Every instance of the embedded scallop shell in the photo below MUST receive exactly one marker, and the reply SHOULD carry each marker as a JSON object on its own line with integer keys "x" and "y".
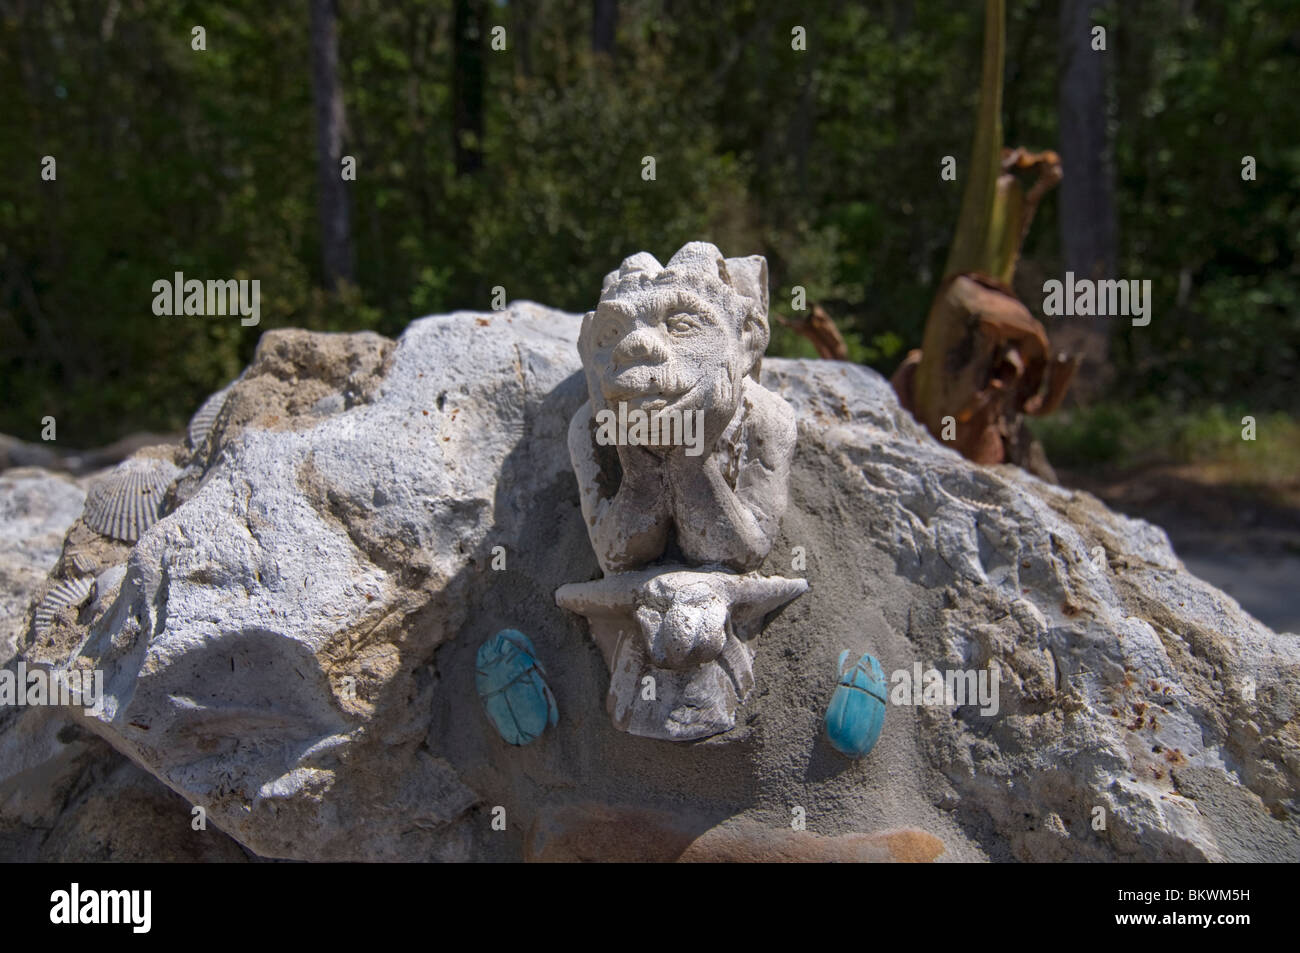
{"x": 70, "y": 592}
{"x": 82, "y": 560}
{"x": 129, "y": 500}
{"x": 204, "y": 418}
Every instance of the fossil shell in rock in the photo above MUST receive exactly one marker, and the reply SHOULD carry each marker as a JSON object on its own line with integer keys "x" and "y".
{"x": 203, "y": 419}
{"x": 129, "y": 500}
{"x": 81, "y": 559}
{"x": 70, "y": 592}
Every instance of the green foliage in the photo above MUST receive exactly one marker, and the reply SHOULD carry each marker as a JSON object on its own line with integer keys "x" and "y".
{"x": 1086, "y": 437}
{"x": 827, "y": 161}
{"x": 1221, "y": 252}
{"x": 1147, "y": 432}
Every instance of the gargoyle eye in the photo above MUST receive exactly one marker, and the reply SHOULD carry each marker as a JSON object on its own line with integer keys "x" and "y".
{"x": 682, "y": 323}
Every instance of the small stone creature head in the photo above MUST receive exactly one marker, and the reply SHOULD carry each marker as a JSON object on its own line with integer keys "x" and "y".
{"x": 683, "y": 626}
{"x": 677, "y": 337}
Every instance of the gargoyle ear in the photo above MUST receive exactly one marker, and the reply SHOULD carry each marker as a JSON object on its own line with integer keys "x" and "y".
{"x": 641, "y": 261}
{"x": 586, "y": 349}
{"x": 748, "y": 276}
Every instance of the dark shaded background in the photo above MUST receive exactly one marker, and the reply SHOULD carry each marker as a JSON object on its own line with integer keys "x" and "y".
{"x": 522, "y": 168}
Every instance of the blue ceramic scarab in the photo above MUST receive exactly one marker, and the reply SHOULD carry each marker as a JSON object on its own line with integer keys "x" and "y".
{"x": 512, "y": 685}
{"x": 857, "y": 709}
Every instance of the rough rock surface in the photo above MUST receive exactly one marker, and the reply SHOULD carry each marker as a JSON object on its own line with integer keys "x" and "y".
{"x": 36, "y": 509}
{"x": 64, "y": 793}
{"x": 293, "y": 646}
{"x": 599, "y": 832}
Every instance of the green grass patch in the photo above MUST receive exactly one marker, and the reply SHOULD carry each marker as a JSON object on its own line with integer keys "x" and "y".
{"x": 1144, "y": 433}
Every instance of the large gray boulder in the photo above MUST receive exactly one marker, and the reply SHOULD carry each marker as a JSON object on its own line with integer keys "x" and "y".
{"x": 292, "y": 647}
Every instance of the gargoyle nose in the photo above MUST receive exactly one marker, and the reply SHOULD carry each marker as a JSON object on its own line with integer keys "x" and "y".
{"x": 641, "y": 346}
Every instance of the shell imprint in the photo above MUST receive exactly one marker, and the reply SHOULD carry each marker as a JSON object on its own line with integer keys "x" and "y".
{"x": 70, "y": 592}
{"x": 203, "y": 419}
{"x": 129, "y": 500}
{"x": 82, "y": 560}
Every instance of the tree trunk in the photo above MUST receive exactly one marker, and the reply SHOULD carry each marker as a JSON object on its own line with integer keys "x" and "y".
{"x": 1088, "y": 224}
{"x": 336, "y": 228}
{"x": 525, "y": 13}
{"x": 468, "y": 72}
{"x": 604, "y": 23}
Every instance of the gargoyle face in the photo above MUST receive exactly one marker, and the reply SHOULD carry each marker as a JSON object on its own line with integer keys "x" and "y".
{"x": 663, "y": 349}
{"x": 680, "y": 337}
{"x": 690, "y": 630}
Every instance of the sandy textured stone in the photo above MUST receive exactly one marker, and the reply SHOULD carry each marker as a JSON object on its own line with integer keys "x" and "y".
{"x": 75, "y": 799}
{"x": 750, "y": 843}
{"x": 36, "y": 509}
{"x": 293, "y": 646}
{"x": 65, "y": 794}
{"x": 614, "y": 834}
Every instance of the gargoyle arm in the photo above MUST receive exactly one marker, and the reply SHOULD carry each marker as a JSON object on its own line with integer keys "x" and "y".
{"x": 631, "y": 527}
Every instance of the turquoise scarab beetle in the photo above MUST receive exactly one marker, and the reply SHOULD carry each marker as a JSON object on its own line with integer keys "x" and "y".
{"x": 512, "y": 685}
{"x": 856, "y": 713}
